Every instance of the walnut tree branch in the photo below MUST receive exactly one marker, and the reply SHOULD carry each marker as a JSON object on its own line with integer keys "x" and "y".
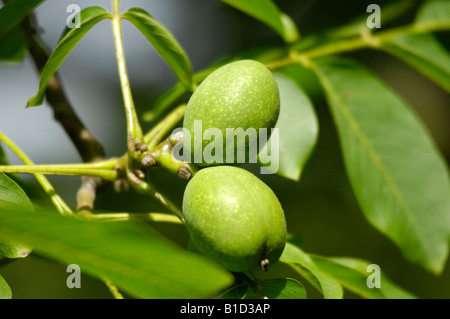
{"x": 88, "y": 147}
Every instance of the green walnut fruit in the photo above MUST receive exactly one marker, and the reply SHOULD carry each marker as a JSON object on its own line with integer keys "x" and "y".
{"x": 242, "y": 97}
{"x": 234, "y": 218}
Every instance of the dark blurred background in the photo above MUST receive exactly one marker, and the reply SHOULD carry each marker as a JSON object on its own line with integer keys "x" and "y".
{"x": 321, "y": 208}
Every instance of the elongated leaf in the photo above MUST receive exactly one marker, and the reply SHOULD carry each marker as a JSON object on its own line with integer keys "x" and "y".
{"x": 71, "y": 36}
{"x": 387, "y": 287}
{"x": 267, "y": 12}
{"x": 13, "y": 47}
{"x": 281, "y": 288}
{"x": 136, "y": 258}
{"x": 396, "y": 171}
{"x": 425, "y": 53}
{"x": 5, "y": 290}
{"x": 305, "y": 266}
{"x": 298, "y": 129}
{"x": 12, "y": 197}
{"x": 433, "y": 13}
{"x": 351, "y": 279}
{"x": 12, "y": 13}
{"x": 164, "y": 42}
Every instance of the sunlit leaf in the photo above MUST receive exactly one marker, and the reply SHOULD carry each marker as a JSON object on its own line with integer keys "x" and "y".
{"x": 133, "y": 256}
{"x": 5, "y": 290}
{"x": 12, "y": 197}
{"x": 396, "y": 171}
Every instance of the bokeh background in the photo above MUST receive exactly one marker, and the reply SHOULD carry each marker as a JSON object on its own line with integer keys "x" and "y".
{"x": 320, "y": 208}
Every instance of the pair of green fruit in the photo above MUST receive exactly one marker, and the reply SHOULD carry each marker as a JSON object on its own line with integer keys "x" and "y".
{"x": 231, "y": 215}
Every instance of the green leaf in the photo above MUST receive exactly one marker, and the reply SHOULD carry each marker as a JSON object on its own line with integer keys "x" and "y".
{"x": 164, "y": 42}
{"x": 133, "y": 256}
{"x": 305, "y": 266}
{"x": 396, "y": 171}
{"x": 13, "y": 47}
{"x": 12, "y": 13}
{"x": 425, "y": 53}
{"x": 387, "y": 287}
{"x": 267, "y": 12}
{"x": 5, "y": 290}
{"x": 296, "y": 115}
{"x": 12, "y": 197}
{"x": 290, "y": 31}
{"x": 235, "y": 292}
{"x": 432, "y": 14}
{"x": 351, "y": 279}
{"x": 71, "y": 36}
{"x": 280, "y": 288}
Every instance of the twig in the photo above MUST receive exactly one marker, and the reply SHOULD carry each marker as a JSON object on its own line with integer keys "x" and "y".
{"x": 59, "y": 203}
{"x": 87, "y": 146}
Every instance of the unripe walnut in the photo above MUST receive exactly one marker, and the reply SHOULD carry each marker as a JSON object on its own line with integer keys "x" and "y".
{"x": 242, "y": 96}
{"x": 234, "y": 218}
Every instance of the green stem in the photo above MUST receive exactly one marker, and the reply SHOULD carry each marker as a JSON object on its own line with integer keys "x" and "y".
{"x": 152, "y": 217}
{"x": 133, "y": 127}
{"x": 366, "y": 40}
{"x": 164, "y": 158}
{"x": 98, "y": 169}
{"x": 57, "y": 201}
{"x": 148, "y": 189}
{"x": 159, "y": 131}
